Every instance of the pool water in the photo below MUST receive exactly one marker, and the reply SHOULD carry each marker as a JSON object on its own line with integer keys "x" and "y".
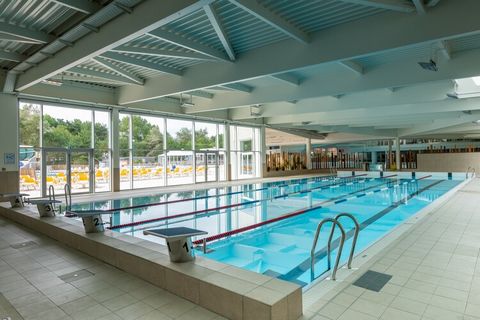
{"x": 280, "y": 249}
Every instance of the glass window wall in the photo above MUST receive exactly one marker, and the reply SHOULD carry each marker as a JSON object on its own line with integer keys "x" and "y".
{"x": 154, "y": 151}
{"x": 62, "y": 144}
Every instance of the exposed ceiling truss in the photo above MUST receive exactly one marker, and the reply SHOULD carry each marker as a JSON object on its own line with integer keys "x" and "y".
{"x": 359, "y": 77}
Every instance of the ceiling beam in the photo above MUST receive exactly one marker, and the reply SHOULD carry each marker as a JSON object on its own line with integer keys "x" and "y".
{"x": 84, "y": 6}
{"x": 238, "y": 87}
{"x": 14, "y": 38}
{"x": 353, "y": 66}
{"x": 188, "y": 44}
{"x": 439, "y": 124}
{"x": 420, "y": 6}
{"x": 12, "y": 56}
{"x": 147, "y": 16}
{"x": 124, "y": 73}
{"x": 140, "y": 63}
{"x": 386, "y": 114}
{"x": 62, "y": 77}
{"x": 28, "y": 34}
{"x": 101, "y": 75}
{"x": 330, "y": 81}
{"x": 395, "y": 5}
{"x": 160, "y": 53}
{"x": 202, "y": 94}
{"x": 339, "y": 43}
{"x": 217, "y": 26}
{"x": 267, "y": 16}
{"x": 73, "y": 92}
{"x": 435, "y": 91}
{"x": 379, "y": 133}
{"x": 287, "y": 78}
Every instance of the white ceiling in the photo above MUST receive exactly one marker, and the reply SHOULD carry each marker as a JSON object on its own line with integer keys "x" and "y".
{"x": 340, "y": 68}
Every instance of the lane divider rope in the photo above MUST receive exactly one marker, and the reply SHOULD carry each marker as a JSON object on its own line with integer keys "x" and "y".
{"x": 289, "y": 215}
{"x": 136, "y": 223}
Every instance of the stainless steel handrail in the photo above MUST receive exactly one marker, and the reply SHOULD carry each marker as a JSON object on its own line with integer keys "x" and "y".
{"x": 466, "y": 174}
{"x": 51, "y": 196}
{"x": 340, "y": 247}
{"x": 68, "y": 196}
{"x": 354, "y": 241}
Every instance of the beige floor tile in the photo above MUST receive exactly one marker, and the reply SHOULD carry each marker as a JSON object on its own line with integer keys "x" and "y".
{"x": 332, "y": 310}
{"x": 395, "y": 314}
{"x": 355, "y": 315}
{"x": 119, "y": 302}
{"x": 155, "y": 315}
{"x": 368, "y": 307}
{"x": 134, "y": 310}
{"x": 408, "y": 305}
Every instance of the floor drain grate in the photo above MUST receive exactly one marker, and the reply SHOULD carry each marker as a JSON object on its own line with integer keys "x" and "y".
{"x": 373, "y": 280}
{"x": 26, "y": 244}
{"x": 76, "y": 275}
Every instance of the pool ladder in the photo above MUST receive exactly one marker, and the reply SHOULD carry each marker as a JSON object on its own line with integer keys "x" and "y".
{"x": 335, "y": 223}
{"x": 468, "y": 171}
{"x": 68, "y": 197}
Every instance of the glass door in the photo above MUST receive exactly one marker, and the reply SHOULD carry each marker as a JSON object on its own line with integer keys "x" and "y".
{"x": 55, "y": 168}
{"x": 200, "y": 167}
{"x": 212, "y": 166}
{"x": 62, "y": 166}
{"x": 246, "y": 165}
{"x": 81, "y": 170}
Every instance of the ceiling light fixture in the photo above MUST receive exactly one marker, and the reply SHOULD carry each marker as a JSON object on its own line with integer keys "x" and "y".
{"x": 186, "y": 104}
{"x": 255, "y": 110}
{"x": 52, "y": 82}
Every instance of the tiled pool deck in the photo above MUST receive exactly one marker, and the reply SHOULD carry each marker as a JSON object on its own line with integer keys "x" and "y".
{"x": 433, "y": 264}
{"x": 37, "y": 281}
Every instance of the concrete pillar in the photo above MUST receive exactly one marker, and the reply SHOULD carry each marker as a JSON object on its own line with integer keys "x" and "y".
{"x": 9, "y": 172}
{"x": 309, "y": 153}
{"x": 397, "y": 154}
{"x": 115, "y": 177}
{"x": 228, "y": 165}
{"x": 374, "y": 157}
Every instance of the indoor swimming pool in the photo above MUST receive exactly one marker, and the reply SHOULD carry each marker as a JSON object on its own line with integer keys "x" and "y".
{"x": 269, "y": 228}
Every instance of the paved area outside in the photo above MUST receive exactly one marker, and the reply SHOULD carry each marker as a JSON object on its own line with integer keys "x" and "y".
{"x": 435, "y": 268}
{"x": 42, "y": 279}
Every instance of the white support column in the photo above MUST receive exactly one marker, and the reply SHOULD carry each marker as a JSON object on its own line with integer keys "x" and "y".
{"x": 228, "y": 165}
{"x": 309, "y": 153}
{"x": 374, "y": 157}
{"x": 9, "y": 144}
{"x": 388, "y": 160}
{"x": 115, "y": 177}
{"x": 263, "y": 152}
{"x": 397, "y": 154}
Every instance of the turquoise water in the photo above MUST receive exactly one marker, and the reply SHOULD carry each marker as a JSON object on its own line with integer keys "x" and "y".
{"x": 280, "y": 249}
